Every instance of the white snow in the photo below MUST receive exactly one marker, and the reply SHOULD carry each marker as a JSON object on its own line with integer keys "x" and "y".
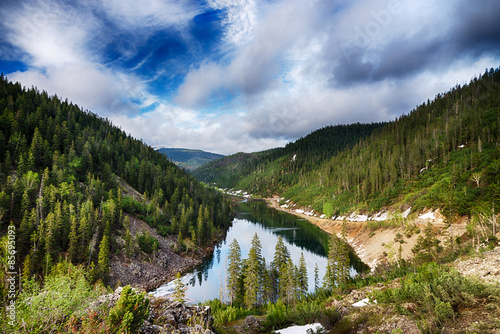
{"x": 300, "y": 329}
{"x": 428, "y": 215}
{"x": 357, "y": 218}
{"x": 363, "y": 302}
{"x": 299, "y": 211}
{"x": 407, "y": 212}
{"x": 380, "y": 216}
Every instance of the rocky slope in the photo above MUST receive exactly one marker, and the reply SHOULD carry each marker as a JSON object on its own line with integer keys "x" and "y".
{"x": 372, "y": 239}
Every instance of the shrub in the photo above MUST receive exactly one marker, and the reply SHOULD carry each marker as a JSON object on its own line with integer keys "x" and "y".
{"x": 147, "y": 243}
{"x": 46, "y": 308}
{"x": 129, "y": 312}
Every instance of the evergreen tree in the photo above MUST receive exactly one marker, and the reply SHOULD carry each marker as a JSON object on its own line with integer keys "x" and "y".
{"x": 234, "y": 271}
{"x": 253, "y": 274}
{"x": 103, "y": 260}
{"x": 302, "y": 275}
{"x": 73, "y": 240}
{"x": 281, "y": 256}
{"x": 179, "y": 289}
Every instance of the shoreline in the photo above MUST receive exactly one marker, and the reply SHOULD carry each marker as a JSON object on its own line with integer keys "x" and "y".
{"x": 371, "y": 244}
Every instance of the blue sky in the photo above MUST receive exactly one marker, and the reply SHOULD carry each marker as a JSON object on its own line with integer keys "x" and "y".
{"x": 245, "y": 75}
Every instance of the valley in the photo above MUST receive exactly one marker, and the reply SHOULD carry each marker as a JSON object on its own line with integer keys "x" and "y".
{"x": 96, "y": 210}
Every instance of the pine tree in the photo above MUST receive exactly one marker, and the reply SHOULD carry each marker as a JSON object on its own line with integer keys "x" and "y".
{"x": 253, "y": 274}
{"x": 337, "y": 270}
{"x": 288, "y": 282}
{"x": 234, "y": 271}
{"x": 179, "y": 289}
{"x": 73, "y": 240}
{"x": 103, "y": 260}
{"x": 281, "y": 255}
{"x": 302, "y": 275}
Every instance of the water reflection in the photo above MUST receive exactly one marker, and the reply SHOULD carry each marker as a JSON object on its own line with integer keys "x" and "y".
{"x": 204, "y": 282}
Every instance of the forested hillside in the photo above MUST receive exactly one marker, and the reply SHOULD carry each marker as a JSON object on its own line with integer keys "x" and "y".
{"x": 443, "y": 154}
{"x": 275, "y": 170}
{"x": 63, "y": 175}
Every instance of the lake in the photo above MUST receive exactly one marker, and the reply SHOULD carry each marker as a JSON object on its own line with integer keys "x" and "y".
{"x": 204, "y": 281}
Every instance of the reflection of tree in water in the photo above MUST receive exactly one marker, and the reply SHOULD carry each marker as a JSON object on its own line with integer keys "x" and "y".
{"x": 294, "y": 230}
{"x": 200, "y": 272}
{"x": 218, "y": 252}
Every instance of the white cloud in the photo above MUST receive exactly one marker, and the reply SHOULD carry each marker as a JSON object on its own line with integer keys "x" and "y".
{"x": 240, "y": 20}
{"x": 132, "y": 14}
{"x": 288, "y": 66}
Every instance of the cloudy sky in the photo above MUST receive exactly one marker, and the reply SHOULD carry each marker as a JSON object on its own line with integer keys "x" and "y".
{"x": 245, "y": 75}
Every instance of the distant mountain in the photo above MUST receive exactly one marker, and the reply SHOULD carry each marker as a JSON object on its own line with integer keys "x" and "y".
{"x": 189, "y": 159}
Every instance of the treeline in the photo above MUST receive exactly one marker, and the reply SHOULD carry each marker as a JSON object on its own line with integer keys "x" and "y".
{"x": 252, "y": 283}
{"x": 443, "y": 154}
{"x": 275, "y": 170}
{"x": 63, "y": 176}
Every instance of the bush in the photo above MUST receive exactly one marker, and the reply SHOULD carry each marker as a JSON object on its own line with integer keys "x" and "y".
{"x": 46, "y": 308}
{"x": 224, "y": 314}
{"x": 276, "y": 315}
{"x": 437, "y": 290}
{"x": 147, "y": 243}
{"x": 129, "y": 312}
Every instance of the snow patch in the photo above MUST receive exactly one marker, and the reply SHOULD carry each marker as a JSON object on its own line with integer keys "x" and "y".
{"x": 428, "y": 215}
{"x": 380, "y": 216}
{"x": 300, "y": 329}
{"x": 364, "y": 302}
{"x": 358, "y": 218}
{"x": 407, "y": 212}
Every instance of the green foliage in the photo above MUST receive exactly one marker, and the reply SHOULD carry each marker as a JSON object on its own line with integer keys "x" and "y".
{"x": 279, "y": 315}
{"x": 276, "y": 315}
{"x": 129, "y": 312}
{"x": 45, "y": 308}
{"x": 179, "y": 291}
{"x": 437, "y": 290}
{"x": 224, "y": 314}
{"x": 328, "y": 209}
{"x": 147, "y": 243}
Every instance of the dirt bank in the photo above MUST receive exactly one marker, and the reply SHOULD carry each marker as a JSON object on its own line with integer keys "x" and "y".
{"x": 371, "y": 244}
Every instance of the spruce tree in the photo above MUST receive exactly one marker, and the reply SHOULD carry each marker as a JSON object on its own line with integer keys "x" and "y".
{"x": 281, "y": 255}
{"x": 234, "y": 271}
{"x": 179, "y": 289}
{"x": 103, "y": 260}
{"x": 253, "y": 274}
{"x": 302, "y": 275}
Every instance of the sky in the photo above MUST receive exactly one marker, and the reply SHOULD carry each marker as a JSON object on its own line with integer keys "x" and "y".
{"x": 227, "y": 76}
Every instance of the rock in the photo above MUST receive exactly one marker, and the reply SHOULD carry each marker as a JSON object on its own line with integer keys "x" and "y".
{"x": 176, "y": 317}
{"x": 252, "y": 323}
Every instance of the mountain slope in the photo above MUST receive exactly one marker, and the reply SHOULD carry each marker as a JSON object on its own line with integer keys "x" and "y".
{"x": 65, "y": 176}
{"x": 443, "y": 154}
{"x": 275, "y": 170}
{"x": 189, "y": 159}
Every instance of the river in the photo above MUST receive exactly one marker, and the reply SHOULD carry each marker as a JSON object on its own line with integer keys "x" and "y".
{"x": 204, "y": 281}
